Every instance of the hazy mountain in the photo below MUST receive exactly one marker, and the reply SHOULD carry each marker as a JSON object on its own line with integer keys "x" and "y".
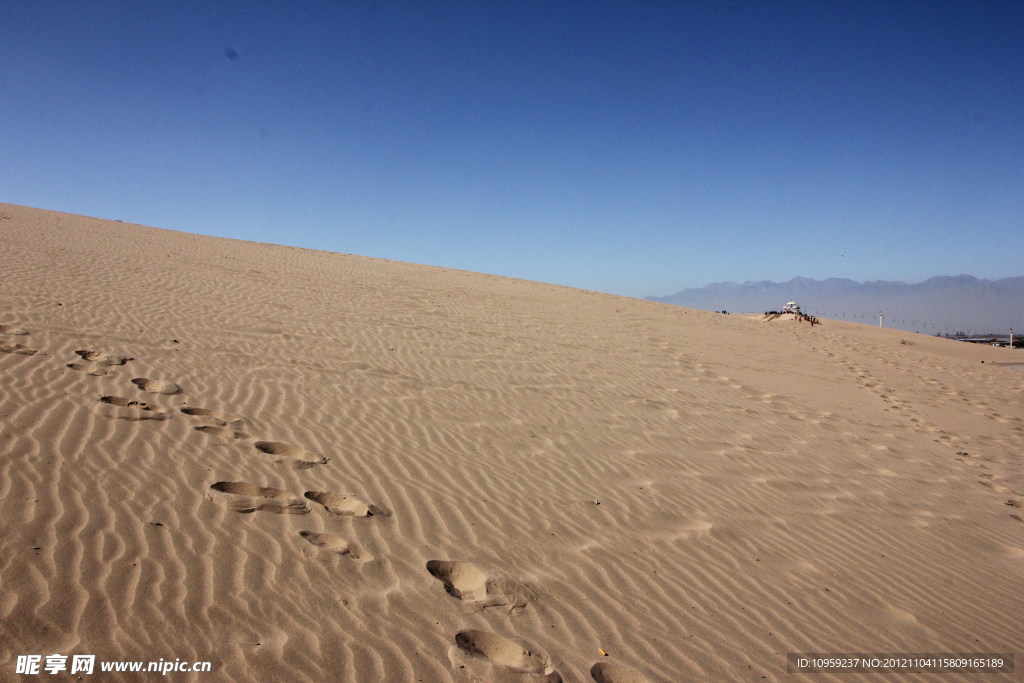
{"x": 939, "y": 304}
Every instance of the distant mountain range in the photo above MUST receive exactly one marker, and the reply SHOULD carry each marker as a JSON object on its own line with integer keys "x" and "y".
{"x": 938, "y": 305}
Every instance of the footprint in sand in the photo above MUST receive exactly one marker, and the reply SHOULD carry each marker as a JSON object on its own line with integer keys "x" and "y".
{"x": 348, "y": 506}
{"x": 20, "y": 349}
{"x": 101, "y": 358}
{"x": 286, "y": 453}
{"x": 217, "y": 423}
{"x": 473, "y": 646}
{"x": 336, "y": 544}
{"x": 121, "y": 408}
{"x": 94, "y": 362}
{"x": 998, "y": 488}
{"x": 462, "y": 580}
{"x": 13, "y": 330}
{"x": 226, "y": 431}
{"x": 604, "y": 672}
{"x": 244, "y": 497}
{"x": 216, "y": 417}
{"x": 157, "y": 386}
{"x": 466, "y": 581}
{"x": 88, "y": 368}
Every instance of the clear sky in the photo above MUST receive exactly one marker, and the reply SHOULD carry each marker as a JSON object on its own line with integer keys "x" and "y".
{"x": 633, "y": 147}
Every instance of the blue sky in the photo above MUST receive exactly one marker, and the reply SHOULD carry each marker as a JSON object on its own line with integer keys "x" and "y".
{"x": 629, "y": 147}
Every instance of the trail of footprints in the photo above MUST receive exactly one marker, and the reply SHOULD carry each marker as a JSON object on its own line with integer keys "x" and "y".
{"x": 9, "y": 334}
{"x": 905, "y": 408}
{"x": 463, "y": 581}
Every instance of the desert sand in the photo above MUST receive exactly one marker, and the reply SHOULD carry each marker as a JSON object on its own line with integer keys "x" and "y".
{"x": 302, "y": 465}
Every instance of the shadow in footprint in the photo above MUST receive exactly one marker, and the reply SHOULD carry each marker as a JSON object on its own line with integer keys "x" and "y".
{"x": 336, "y": 544}
{"x": 121, "y": 408}
{"x": 504, "y": 653}
{"x": 13, "y": 330}
{"x": 157, "y": 386}
{"x": 348, "y": 506}
{"x": 244, "y": 497}
{"x": 466, "y": 581}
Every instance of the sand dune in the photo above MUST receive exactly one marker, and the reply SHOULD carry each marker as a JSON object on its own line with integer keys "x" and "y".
{"x": 302, "y": 465}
